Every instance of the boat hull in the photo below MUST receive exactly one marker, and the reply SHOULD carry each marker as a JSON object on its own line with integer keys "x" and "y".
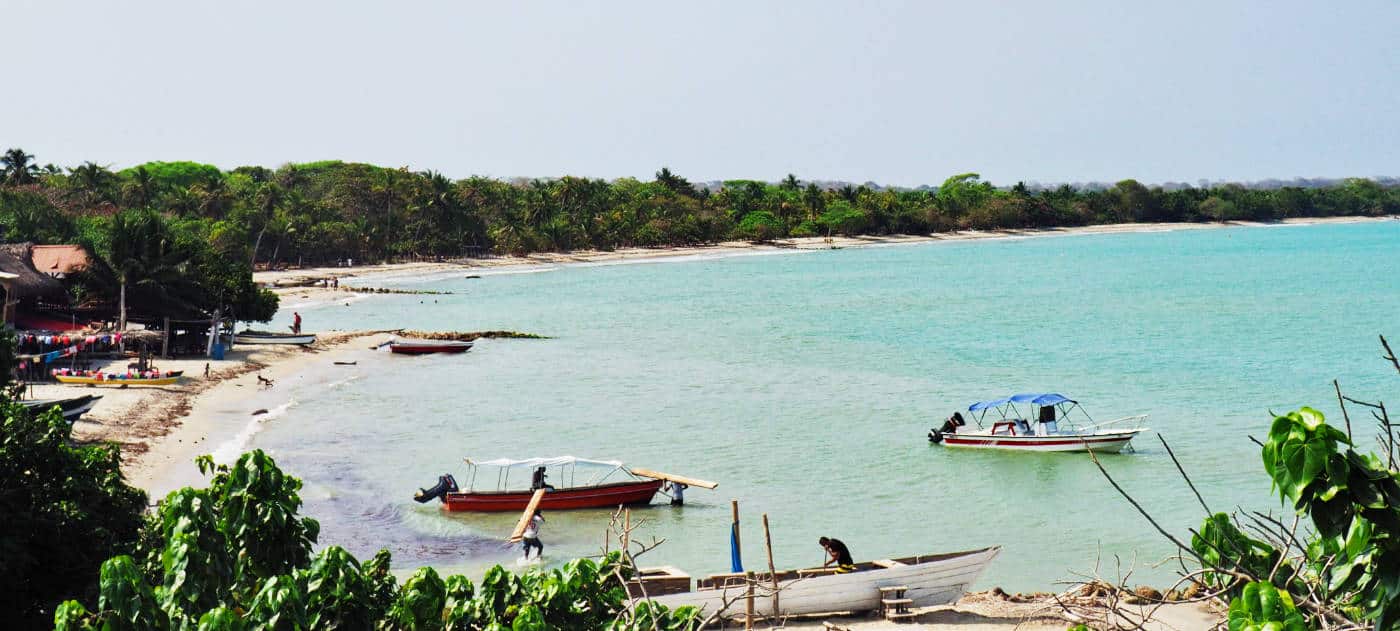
{"x": 424, "y": 349}
{"x": 72, "y": 409}
{"x": 92, "y": 381}
{"x": 936, "y": 580}
{"x": 602, "y": 496}
{"x": 1102, "y": 442}
{"x": 275, "y": 338}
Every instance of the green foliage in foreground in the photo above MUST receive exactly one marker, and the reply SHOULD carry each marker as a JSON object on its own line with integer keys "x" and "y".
{"x": 63, "y": 508}
{"x": 1351, "y": 558}
{"x": 236, "y": 555}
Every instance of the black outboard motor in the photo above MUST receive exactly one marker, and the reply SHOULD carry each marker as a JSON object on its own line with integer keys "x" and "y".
{"x": 950, "y": 426}
{"x": 446, "y": 484}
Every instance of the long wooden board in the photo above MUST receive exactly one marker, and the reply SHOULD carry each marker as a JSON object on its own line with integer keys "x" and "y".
{"x": 657, "y": 475}
{"x": 519, "y": 532}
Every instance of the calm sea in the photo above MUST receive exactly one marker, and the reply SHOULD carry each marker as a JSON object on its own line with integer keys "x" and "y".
{"x": 804, "y": 384}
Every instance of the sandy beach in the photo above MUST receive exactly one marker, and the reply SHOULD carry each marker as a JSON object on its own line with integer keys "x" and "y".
{"x": 162, "y": 430}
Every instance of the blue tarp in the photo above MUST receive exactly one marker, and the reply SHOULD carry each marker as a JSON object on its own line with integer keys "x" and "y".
{"x": 1048, "y": 398}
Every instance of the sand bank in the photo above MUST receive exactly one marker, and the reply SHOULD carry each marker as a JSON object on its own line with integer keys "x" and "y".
{"x": 162, "y": 429}
{"x": 984, "y": 611}
{"x": 301, "y": 286}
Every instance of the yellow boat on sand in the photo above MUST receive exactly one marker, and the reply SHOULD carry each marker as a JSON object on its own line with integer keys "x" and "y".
{"x": 118, "y": 381}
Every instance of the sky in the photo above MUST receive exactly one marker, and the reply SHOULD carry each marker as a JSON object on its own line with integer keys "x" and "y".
{"x": 900, "y": 93}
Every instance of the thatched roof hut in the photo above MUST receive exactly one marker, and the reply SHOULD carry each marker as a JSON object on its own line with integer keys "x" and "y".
{"x": 29, "y": 283}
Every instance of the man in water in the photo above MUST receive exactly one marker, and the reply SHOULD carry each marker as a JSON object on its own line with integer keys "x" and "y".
{"x": 532, "y": 535}
{"x": 839, "y": 555}
{"x": 677, "y": 492}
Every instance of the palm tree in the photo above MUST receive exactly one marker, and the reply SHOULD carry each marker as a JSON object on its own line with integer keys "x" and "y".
{"x": 92, "y": 181}
{"x": 269, "y": 199}
{"x": 790, "y": 183}
{"x": 142, "y": 188}
{"x": 17, "y": 167}
{"x": 143, "y": 258}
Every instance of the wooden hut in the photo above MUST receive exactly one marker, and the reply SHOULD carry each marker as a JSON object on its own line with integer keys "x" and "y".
{"x": 26, "y": 288}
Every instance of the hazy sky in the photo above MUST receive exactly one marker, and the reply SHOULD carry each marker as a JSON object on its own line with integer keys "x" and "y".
{"x": 899, "y": 93}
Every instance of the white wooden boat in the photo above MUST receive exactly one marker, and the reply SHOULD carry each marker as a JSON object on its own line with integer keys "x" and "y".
{"x": 937, "y": 579}
{"x": 72, "y": 408}
{"x": 268, "y": 337}
{"x": 1047, "y": 426}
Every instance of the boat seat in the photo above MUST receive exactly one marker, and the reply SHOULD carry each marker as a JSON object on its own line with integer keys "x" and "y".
{"x": 816, "y": 571}
{"x": 886, "y": 563}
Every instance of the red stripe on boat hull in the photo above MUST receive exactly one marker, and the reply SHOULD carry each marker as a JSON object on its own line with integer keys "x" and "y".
{"x": 604, "y": 496}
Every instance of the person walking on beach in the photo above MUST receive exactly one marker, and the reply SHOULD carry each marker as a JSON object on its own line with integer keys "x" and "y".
{"x": 839, "y": 554}
{"x": 296, "y": 322}
{"x": 532, "y": 535}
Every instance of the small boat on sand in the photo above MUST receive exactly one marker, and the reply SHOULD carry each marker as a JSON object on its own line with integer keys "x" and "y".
{"x": 601, "y": 484}
{"x": 99, "y": 378}
{"x": 72, "y": 408}
{"x": 907, "y": 582}
{"x": 1046, "y": 427}
{"x": 269, "y": 337}
{"x": 424, "y": 347}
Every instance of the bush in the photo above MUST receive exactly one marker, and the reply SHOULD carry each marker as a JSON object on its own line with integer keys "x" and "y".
{"x": 759, "y": 226}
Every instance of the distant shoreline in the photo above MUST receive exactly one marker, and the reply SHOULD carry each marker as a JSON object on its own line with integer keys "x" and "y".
{"x": 301, "y": 283}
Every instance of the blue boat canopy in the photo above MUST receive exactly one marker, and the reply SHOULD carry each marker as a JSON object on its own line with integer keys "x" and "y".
{"x": 1048, "y": 398}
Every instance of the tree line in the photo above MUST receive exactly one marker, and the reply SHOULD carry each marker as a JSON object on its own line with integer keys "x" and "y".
{"x": 328, "y": 211}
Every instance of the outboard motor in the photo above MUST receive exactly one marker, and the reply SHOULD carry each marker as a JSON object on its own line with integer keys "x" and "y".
{"x": 950, "y": 426}
{"x": 446, "y": 484}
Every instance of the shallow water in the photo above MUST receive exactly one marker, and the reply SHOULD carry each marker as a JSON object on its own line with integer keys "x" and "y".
{"x": 804, "y": 383}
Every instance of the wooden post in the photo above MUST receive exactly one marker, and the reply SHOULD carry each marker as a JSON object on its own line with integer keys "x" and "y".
{"x": 626, "y": 535}
{"x": 165, "y": 342}
{"x": 772, "y": 573}
{"x": 748, "y": 601}
{"x": 213, "y": 332}
{"x": 734, "y": 507}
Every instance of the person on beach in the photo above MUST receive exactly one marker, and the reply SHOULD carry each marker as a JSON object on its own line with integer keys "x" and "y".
{"x": 335, "y": 282}
{"x": 532, "y": 535}
{"x": 296, "y": 322}
{"x": 838, "y": 554}
{"x": 677, "y": 492}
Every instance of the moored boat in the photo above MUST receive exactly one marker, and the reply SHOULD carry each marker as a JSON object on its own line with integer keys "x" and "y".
{"x": 99, "y": 378}
{"x": 72, "y": 408}
{"x": 926, "y": 581}
{"x": 424, "y": 347}
{"x": 601, "y": 484}
{"x": 269, "y": 337}
{"x": 1047, "y": 428}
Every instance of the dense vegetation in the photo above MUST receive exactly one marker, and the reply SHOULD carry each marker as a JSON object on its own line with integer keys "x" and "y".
{"x": 327, "y": 211}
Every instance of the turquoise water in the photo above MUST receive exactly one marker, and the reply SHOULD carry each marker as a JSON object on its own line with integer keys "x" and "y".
{"x": 804, "y": 384}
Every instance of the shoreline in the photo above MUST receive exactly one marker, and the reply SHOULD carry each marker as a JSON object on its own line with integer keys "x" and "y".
{"x": 162, "y": 430}
{"x": 302, "y": 282}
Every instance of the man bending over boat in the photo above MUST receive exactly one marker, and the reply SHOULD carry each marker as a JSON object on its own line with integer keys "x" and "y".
{"x": 532, "y": 535}
{"x": 839, "y": 555}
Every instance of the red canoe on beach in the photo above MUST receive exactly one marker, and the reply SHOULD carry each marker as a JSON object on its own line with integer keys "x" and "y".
{"x": 423, "y": 347}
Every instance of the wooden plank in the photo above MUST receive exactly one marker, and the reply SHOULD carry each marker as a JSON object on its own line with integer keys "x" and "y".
{"x": 519, "y": 532}
{"x": 657, "y": 475}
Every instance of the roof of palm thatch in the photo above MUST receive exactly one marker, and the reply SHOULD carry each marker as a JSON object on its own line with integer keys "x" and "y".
{"x": 28, "y": 282}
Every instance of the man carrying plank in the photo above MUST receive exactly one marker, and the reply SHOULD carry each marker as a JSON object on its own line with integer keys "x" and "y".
{"x": 532, "y": 536}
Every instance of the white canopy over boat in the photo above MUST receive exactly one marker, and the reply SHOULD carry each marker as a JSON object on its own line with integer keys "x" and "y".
{"x": 566, "y": 470}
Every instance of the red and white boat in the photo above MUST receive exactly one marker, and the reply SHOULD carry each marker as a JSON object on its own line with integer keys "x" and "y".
{"x": 424, "y": 347}
{"x": 1049, "y": 427}
{"x": 597, "y": 484}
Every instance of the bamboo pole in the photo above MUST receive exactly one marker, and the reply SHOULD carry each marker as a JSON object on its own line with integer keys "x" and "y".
{"x": 165, "y": 341}
{"x": 772, "y": 572}
{"x": 627, "y": 536}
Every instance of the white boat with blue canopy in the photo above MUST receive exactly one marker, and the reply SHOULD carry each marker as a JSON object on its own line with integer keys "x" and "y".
{"x": 1042, "y": 421}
